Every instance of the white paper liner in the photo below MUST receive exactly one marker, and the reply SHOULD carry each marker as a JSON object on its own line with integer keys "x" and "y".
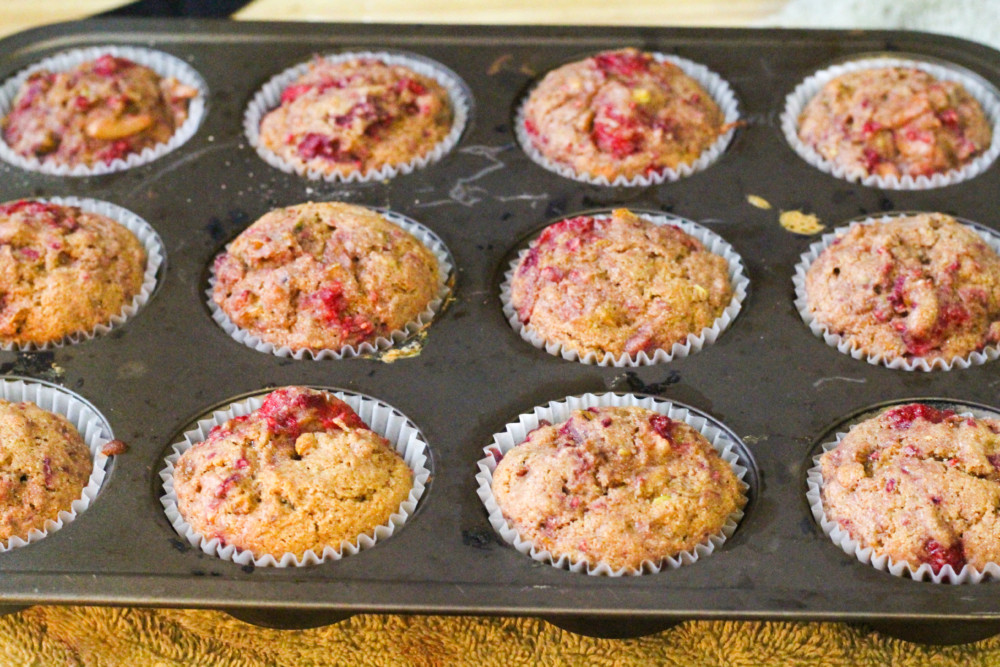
{"x": 844, "y": 343}
{"x": 694, "y": 342}
{"x": 445, "y": 267}
{"x": 851, "y": 547}
{"x": 977, "y": 87}
{"x": 381, "y": 417}
{"x": 92, "y": 427}
{"x": 162, "y": 63}
{"x": 713, "y": 84}
{"x": 269, "y": 97}
{"x": 557, "y": 412}
{"x": 155, "y": 254}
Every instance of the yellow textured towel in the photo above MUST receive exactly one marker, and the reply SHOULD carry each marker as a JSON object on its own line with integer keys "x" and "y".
{"x": 96, "y": 636}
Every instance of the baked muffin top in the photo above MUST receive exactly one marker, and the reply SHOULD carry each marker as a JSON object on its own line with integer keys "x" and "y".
{"x": 45, "y": 467}
{"x": 920, "y": 485}
{"x": 324, "y": 275}
{"x": 616, "y": 485}
{"x": 914, "y": 286}
{"x": 894, "y": 122}
{"x": 619, "y": 285}
{"x": 63, "y": 270}
{"x": 357, "y": 116}
{"x": 301, "y": 472}
{"x": 621, "y": 113}
{"x": 97, "y": 112}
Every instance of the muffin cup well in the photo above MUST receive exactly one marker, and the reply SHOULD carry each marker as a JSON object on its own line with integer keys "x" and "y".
{"x": 694, "y": 342}
{"x": 92, "y": 427}
{"x": 844, "y": 344}
{"x": 445, "y": 269}
{"x": 556, "y": 412}
{"x": 155, "y": 256}
{"x": 851, "y": 547}
{"x": 269, "y": 98}
{"x": 713, "y": 84}
{"x": 404, "y": 437}
{"x": 162, "y": 63}
{"x": 979, "y": 88}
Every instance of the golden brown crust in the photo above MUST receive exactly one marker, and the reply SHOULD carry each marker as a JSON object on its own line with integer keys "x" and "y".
{"x": 323, "y": 276}
{"x": 301, "y": 472}
{"x": 63, "y": 271}
{"x": 621, "y": 113}
{"x": 616, "y": 485}
{"x": 44, "y": 467}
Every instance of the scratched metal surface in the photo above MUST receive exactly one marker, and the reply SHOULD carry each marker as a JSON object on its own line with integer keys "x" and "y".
{"x": 767, "y": 378}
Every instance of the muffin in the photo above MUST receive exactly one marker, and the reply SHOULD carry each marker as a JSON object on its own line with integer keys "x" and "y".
{"x": 46, "y": 466}
{"x": 320, "y": 276}
{"x": 895, "y": 122}
{"x": 618, "y": 284}
{"x": 920, "y": 485}
{"x": 616, "y": 485}
{"x": 921, "y": 286}
{"x": 95, "y": 113}
{"x": 357, "y": 116}
{"x": 621, "y": 114}
{"x": 64, "y": 270}
{"x": 302, "y": 472}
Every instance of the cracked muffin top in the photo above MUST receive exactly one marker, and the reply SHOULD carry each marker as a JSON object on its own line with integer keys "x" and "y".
{"x": 922, "y": 286}
{"x": 920, "y": 485}
{"x": 97, "y": 112}
{"x": 301, "y": 472}
{"x": 63, "y": 270}
{"x": 616, "y": 485}
{"x": 44, "y": 467}
{"x": 895, "y": 121}
{"x": 357, "y": 116}
{"x": 619, "y": 284}
{"x": 323, "y": 276}
{"x": 621, "y": 113}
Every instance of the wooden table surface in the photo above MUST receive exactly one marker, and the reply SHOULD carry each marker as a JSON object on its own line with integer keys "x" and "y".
{"x": 17, "y": 15}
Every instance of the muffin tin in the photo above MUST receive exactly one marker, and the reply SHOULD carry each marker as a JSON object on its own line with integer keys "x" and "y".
{"x": 767, "y": 378}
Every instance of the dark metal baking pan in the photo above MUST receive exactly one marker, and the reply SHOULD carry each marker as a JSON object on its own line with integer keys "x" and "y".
{"x": 767, "y": 378}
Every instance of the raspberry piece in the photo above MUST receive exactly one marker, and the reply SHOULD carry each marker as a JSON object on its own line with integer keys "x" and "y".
{"x": 871, "y": 127}
{"x": 664, "y": 426}
{"x": 107, "y": 65}
{"x": 938, "y": 556}
{"x": 872, "y": 159}
{"x": 615, "y": 135}
{"x": 948, "y": 117}
{"x": 903, "y": 416}
{"x": 411, "y": 85}
{"x": 30, "y": 207}
{"x": 623, "y": 63}
{"x": 292, "y": 93}
{"x": 315, "y": 145}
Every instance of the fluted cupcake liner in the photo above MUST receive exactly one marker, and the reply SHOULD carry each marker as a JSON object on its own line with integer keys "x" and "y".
{"x": 844, "y": 342}
{"x": 269, "y": 98}
{"x": 162, "y": 63}
{"x": 385, "y": 420}
{"x": 978, "y": 87}
{"x": 155, "y": 256}
{"x": 717, "y": 87}
{"x": 445, "y": 268}
{"x": 92, "y": 427}
{"x": 867, "y": 555}
{"x": 556, "y": 412}
{"x": 693, "y": 343}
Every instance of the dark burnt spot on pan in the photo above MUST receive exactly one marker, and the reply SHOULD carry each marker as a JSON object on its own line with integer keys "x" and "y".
{"x": 180, "y": 545}
{"x": 480, "y": 538}
{"x": 219, "y": 230}
{"x": 40, "y": 365}
{"x": 249, "y": 568}
{"x": 630, "y": 381}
